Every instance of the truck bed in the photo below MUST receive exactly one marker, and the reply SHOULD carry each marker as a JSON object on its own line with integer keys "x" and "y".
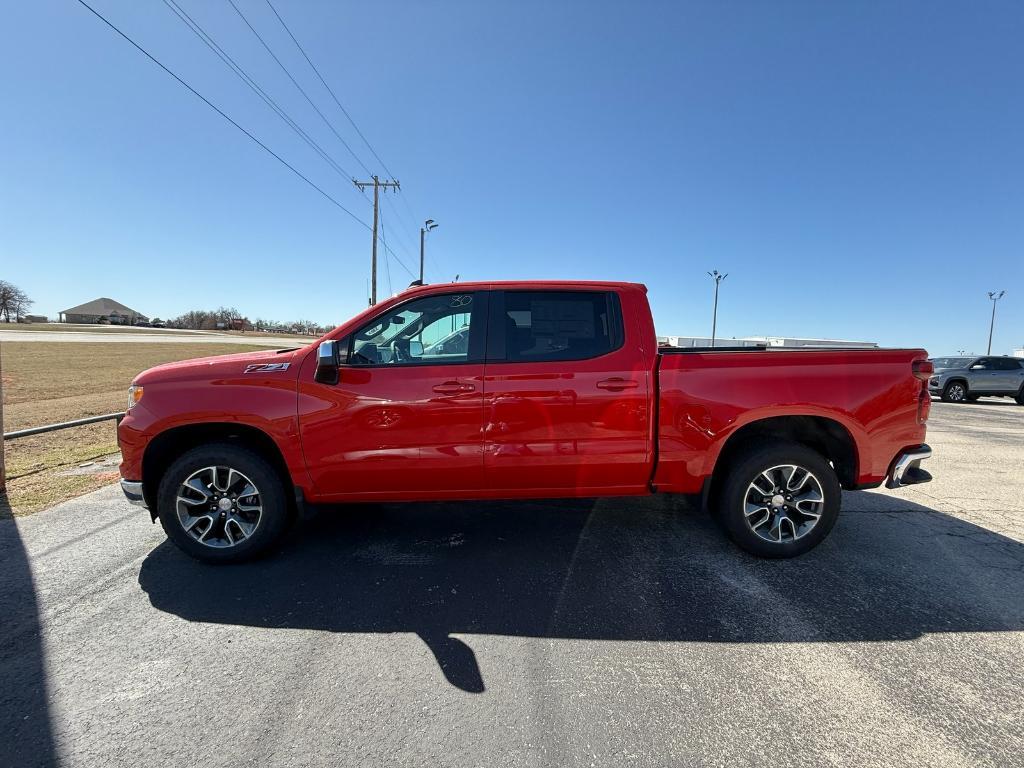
{"x": 868, "y": 396}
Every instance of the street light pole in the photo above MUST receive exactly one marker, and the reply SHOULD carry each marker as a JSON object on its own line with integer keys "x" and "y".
{"x": 428, "y": 226}
{"x": 994, "y": 296}
{"x": 718, "y": 278}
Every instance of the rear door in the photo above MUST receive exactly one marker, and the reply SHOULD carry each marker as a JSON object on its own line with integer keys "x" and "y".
{"x": 567, "y": 393}
{"x": 1009, "y": 374}
{"x": 404, "y": 419}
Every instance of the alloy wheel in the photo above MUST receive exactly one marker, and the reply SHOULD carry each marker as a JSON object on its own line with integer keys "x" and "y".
{"x": 219, "y": 506}
{"x": 957, "y": 393}
{"x": 783, "y": 503}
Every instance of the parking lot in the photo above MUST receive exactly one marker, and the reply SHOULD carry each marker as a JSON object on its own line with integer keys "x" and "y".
{"x": 598, "y": 632}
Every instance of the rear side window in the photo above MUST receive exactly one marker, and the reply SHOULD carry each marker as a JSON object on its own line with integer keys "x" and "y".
{"x": 536, "y": 326}
{"x": 1004, "y": 364}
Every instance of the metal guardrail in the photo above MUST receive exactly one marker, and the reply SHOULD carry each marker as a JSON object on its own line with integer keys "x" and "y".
{"x": 62, "y": 425}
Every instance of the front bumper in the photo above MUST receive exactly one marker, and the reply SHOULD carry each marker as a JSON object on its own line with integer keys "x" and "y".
{"x": 133, "y": 492}
{"x": 906, "y": 470}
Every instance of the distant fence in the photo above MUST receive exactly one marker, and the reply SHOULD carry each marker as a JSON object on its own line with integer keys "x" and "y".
{"x": 5, "y": 436}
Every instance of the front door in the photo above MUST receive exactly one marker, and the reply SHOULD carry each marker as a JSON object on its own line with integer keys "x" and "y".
{"x": 983, "y": 376}
{"x": 405, "y": 418}
{"x": 566, "y": 396}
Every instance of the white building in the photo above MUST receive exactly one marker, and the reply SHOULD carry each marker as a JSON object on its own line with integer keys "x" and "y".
{"x": 1018, "y": 352}
{"x": 765, "y": 341}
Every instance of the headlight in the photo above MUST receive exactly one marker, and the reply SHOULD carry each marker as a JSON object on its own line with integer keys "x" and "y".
{"x": 134, "y": 395}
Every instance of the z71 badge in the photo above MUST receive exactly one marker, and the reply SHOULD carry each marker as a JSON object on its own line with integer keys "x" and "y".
{"x": 266, "y": 367}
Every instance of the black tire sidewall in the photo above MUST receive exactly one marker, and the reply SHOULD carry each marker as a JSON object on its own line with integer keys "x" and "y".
{"x": 273, "y": 522}
{"x": 748, "y": 466}
{"x": 945, "y": 392}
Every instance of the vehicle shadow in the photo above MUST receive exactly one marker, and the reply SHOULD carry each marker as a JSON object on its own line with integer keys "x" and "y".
{"x": 615, "y": 569}
{"x": 25, "y": 735}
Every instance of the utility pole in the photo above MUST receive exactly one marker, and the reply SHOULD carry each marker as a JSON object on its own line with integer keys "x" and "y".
{"x": 718, "y": 278}
{"x": 376, "y": 184}
{"x": 428, "y": 226}
{"x": 995, "y": 297}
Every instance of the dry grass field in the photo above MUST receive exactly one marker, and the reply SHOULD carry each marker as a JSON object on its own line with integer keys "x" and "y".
{"x": 47, "y": 383}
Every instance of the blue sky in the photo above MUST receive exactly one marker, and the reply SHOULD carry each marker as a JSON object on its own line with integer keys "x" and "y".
{"x": 855, "y": 167}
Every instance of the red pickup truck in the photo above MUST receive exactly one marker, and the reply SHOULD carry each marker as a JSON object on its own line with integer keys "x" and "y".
{"x": 518, "y": 390}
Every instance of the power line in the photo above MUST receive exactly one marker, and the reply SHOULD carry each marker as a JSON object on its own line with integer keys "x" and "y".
{"x": 217, "y": 109}
{"x": 333, "y": 96}
{"x": 301, "y": 89}
{"x": 387, "y": 263}
{"x": 405, "y": 200}
{"x": 224, "y": 56}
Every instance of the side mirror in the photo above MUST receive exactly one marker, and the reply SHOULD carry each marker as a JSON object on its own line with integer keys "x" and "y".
{"x": 977, "y": 367}
{"x": 416, "y": 348}
{"x": 327, "y": 362}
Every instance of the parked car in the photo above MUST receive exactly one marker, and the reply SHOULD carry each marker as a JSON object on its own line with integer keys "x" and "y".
{"x": 159, "y": 324}
{"x": 561, "y": 391}
{"x": 965, "y": 379}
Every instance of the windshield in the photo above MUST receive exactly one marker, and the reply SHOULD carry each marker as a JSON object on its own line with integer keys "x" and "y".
{"x": 951, "y": 362}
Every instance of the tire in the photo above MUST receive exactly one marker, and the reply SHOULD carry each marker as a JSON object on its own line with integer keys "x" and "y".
{"x": 955, "y": 392}
{"x": 746, "y": 483}
{"x": 210, "y": 519}
{"x": 1020, "y": 397}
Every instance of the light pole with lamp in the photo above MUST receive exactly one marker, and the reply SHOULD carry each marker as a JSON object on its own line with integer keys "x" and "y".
{"x": 718, "y": 278}
{"x": 994, "y": 296}
{"x": 428, "y": 226}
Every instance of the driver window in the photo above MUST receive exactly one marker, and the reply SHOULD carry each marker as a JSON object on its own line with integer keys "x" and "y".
{"x": 430, "y": 331}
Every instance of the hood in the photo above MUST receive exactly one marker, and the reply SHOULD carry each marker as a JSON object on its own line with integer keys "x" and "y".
{"x": 218, "y": 366}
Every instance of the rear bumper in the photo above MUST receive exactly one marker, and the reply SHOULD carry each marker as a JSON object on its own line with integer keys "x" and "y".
{"x": 906, "y": 470}
{"x": 133, "y": 492}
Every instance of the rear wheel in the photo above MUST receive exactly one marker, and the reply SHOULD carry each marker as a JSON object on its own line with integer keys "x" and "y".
{"x": 222, "y": 503}
{"x": 1020, "y": 397}
{"x": 780, "y": 500}
{"x": 955, "y": 392}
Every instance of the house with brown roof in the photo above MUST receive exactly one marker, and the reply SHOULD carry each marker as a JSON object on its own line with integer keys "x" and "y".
{"x": 101, "y": 309}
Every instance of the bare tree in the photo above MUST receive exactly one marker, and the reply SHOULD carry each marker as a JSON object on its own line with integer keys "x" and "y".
{"x": 13, "y": 300}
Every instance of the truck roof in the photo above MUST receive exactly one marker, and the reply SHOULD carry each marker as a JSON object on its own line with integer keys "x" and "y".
{"x": 537, "y": 284}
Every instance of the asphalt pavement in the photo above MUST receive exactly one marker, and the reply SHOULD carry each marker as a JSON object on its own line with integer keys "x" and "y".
{"x": 556, "y": 633}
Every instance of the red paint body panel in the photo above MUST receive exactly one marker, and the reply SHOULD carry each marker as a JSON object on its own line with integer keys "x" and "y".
{"x": 530, "y": 429}
{"x": 705, "y": 397}
{"x": 385, "y": 431}
{"x": 216, "y": 390}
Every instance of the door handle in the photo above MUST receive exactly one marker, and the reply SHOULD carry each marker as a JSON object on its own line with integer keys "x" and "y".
{"x": 453, "y": 388}
{"x": 616, "y": 384}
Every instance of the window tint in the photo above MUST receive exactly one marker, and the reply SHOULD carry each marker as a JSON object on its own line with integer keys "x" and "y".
{"x": 429, "y": 331}
{"x": 530, "y": 326}
{"x": 1004, "y": 364}
{"x": 951, "y": 362}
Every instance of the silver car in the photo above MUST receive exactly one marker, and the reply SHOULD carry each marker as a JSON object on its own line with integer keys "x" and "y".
{"x": 965, "y": 379}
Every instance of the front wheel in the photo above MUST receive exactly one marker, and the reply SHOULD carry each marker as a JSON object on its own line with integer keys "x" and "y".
{"x": 222, "y": 503}
{"x": 780, "y": 500}
{"x": 955, "y": 392}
